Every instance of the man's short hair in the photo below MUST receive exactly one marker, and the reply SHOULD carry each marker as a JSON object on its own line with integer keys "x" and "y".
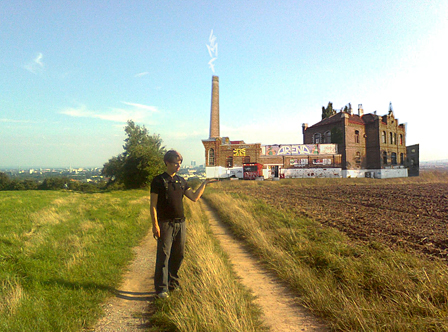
{"x": 172, "y": 156}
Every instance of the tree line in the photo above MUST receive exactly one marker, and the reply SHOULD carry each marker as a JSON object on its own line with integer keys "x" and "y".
{"x": 135, "y": 167}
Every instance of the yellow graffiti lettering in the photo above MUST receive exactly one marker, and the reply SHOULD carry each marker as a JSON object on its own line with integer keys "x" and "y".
{"x": 239, "y": 152}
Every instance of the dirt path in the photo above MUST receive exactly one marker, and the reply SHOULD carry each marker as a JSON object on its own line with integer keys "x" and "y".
{"x": 281, "y": 313}
{"x": 128, "y": 310}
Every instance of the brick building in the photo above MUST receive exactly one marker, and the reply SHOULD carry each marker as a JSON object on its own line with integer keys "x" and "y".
{"x": 225, "y": 158}
{"x": 342, "y": 145}
{"x": 367, "y": 142}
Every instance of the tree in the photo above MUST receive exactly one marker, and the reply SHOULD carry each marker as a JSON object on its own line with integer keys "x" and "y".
{"x": 329, "y": 111}
{"x": 141, "y": 160}
{"x": 54, "y": 183}
{"x": 4, "y": 181}
{"x": 336, "y": 135}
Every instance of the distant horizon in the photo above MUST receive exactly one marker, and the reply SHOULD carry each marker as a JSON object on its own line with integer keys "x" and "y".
{"x": 184, "y": 165}
{"x": 67, "y": 167}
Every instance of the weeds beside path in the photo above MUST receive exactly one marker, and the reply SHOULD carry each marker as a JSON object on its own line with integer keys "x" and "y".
{"x": 353, "y": 285}
{"x": 280, "y": 312}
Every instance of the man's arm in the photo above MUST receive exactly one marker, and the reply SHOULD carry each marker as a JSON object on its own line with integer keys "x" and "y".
{"x": 195, "y": 195}
{"x": 153, "y": 209}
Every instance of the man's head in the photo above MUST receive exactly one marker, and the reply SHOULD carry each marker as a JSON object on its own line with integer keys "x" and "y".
{"x": 172, "y": 156}
{"x": 173, "y": 160}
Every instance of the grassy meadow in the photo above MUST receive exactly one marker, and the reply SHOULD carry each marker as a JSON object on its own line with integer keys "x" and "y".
{"x": 62, "y": 253}
{"x": 354, "y": 286}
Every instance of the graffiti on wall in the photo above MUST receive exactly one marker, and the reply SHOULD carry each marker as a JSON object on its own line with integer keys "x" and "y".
{"x": 322, "y": 161}
{"x": 298, "y": 162}
{"x": 239, "y": 152}
{"x": 298, "y": 149}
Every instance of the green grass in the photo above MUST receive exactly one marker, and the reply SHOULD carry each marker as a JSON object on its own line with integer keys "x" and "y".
{"x": 355, "y": 286}
{"x": 62, "y": 253}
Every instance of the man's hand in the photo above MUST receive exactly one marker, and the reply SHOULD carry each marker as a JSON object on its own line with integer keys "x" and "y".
{"x": 156, "y": 231}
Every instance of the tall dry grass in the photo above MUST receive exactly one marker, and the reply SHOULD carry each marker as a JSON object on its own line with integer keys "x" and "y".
{"x": 211, "y": 298}
{"x": 355, "y": 287}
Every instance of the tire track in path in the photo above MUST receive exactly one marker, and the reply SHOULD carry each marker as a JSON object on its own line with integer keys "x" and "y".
{"x": 281, "y": 312}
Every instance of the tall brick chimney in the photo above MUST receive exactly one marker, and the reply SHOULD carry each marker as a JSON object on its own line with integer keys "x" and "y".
{"x": 214, "y": 113}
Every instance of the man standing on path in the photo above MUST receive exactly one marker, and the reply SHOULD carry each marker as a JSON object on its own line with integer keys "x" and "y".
{"x": 168, "y": 222}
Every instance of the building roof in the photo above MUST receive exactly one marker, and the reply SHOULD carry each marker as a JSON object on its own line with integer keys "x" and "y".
{"x": 332, "y": 119}
{"x": 352, "y": 118}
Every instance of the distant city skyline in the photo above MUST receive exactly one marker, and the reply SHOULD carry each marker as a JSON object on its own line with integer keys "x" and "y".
{"x": 72, "y": 73}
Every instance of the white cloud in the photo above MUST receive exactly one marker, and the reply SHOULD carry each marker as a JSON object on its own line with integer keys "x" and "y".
{"x": 141, "y": 74}
{"x": 16, "y": 121}
{"x": 37, "y": 65}
{"x": 38, "y": 60}
{"x": 137, "y": 112}
{"x": 141, "y": 106}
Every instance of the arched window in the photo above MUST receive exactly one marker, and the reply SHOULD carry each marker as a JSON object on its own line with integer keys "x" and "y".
{"x": 395, "y": 138}
{"x": 327, "y": 138}
{"x": 317, "y": 138}
{"x": 384, "y": 157}
{"x": 211, "y": 157}
{"x": 383, "y": 137}
{"x": 391, "y": 138}
{"x": 401, "y": 139}
{"x": 229, "y": 162}
{"x": 356, "y": 136}
{"x": 393, "y": 158}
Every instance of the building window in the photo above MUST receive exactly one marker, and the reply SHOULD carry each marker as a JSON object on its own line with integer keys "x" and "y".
{"x": 395, "y": 138}
{"x": 393, "y": 158}
{"x": 246, "y": 159}
{"x": 383, "y": 137}
{"x": 358, "y": 158}
{"x": 327, "y": 137}
{"x": 401, "y": 139}
{"x": 401, "y": 158}
{"x": 211, "y": 157}
{"x": 229, "y": 162}
{"x": 317, "y": 138}
{"x": 384, "y": 157}
{"x": 356, "y": 136}
{"x": 391, "y": 138}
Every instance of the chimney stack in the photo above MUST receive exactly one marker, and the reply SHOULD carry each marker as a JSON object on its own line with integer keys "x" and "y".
{"x": 360, "y": 110}
{"x": 304, "y": 127}
{"x": 214, "y": 112}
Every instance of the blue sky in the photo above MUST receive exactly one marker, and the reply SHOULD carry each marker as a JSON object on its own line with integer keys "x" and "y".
{"x": 73, "y": 72}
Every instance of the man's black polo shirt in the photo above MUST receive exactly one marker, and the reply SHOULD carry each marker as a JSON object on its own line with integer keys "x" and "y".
{"x": 169, "y": 205}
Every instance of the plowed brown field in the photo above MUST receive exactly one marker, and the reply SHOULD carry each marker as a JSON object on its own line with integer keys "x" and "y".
{"x": 407, "y": 215}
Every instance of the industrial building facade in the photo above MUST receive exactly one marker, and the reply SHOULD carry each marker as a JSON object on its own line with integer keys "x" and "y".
{"x": 343, "y": 145}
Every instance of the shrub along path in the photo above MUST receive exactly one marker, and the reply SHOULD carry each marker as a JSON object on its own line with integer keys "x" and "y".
{"x": 128, "y": 310}
{"x": 280, "y": 311}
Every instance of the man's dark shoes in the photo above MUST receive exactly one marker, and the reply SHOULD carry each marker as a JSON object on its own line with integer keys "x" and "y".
{"x": 163, "y": 295}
